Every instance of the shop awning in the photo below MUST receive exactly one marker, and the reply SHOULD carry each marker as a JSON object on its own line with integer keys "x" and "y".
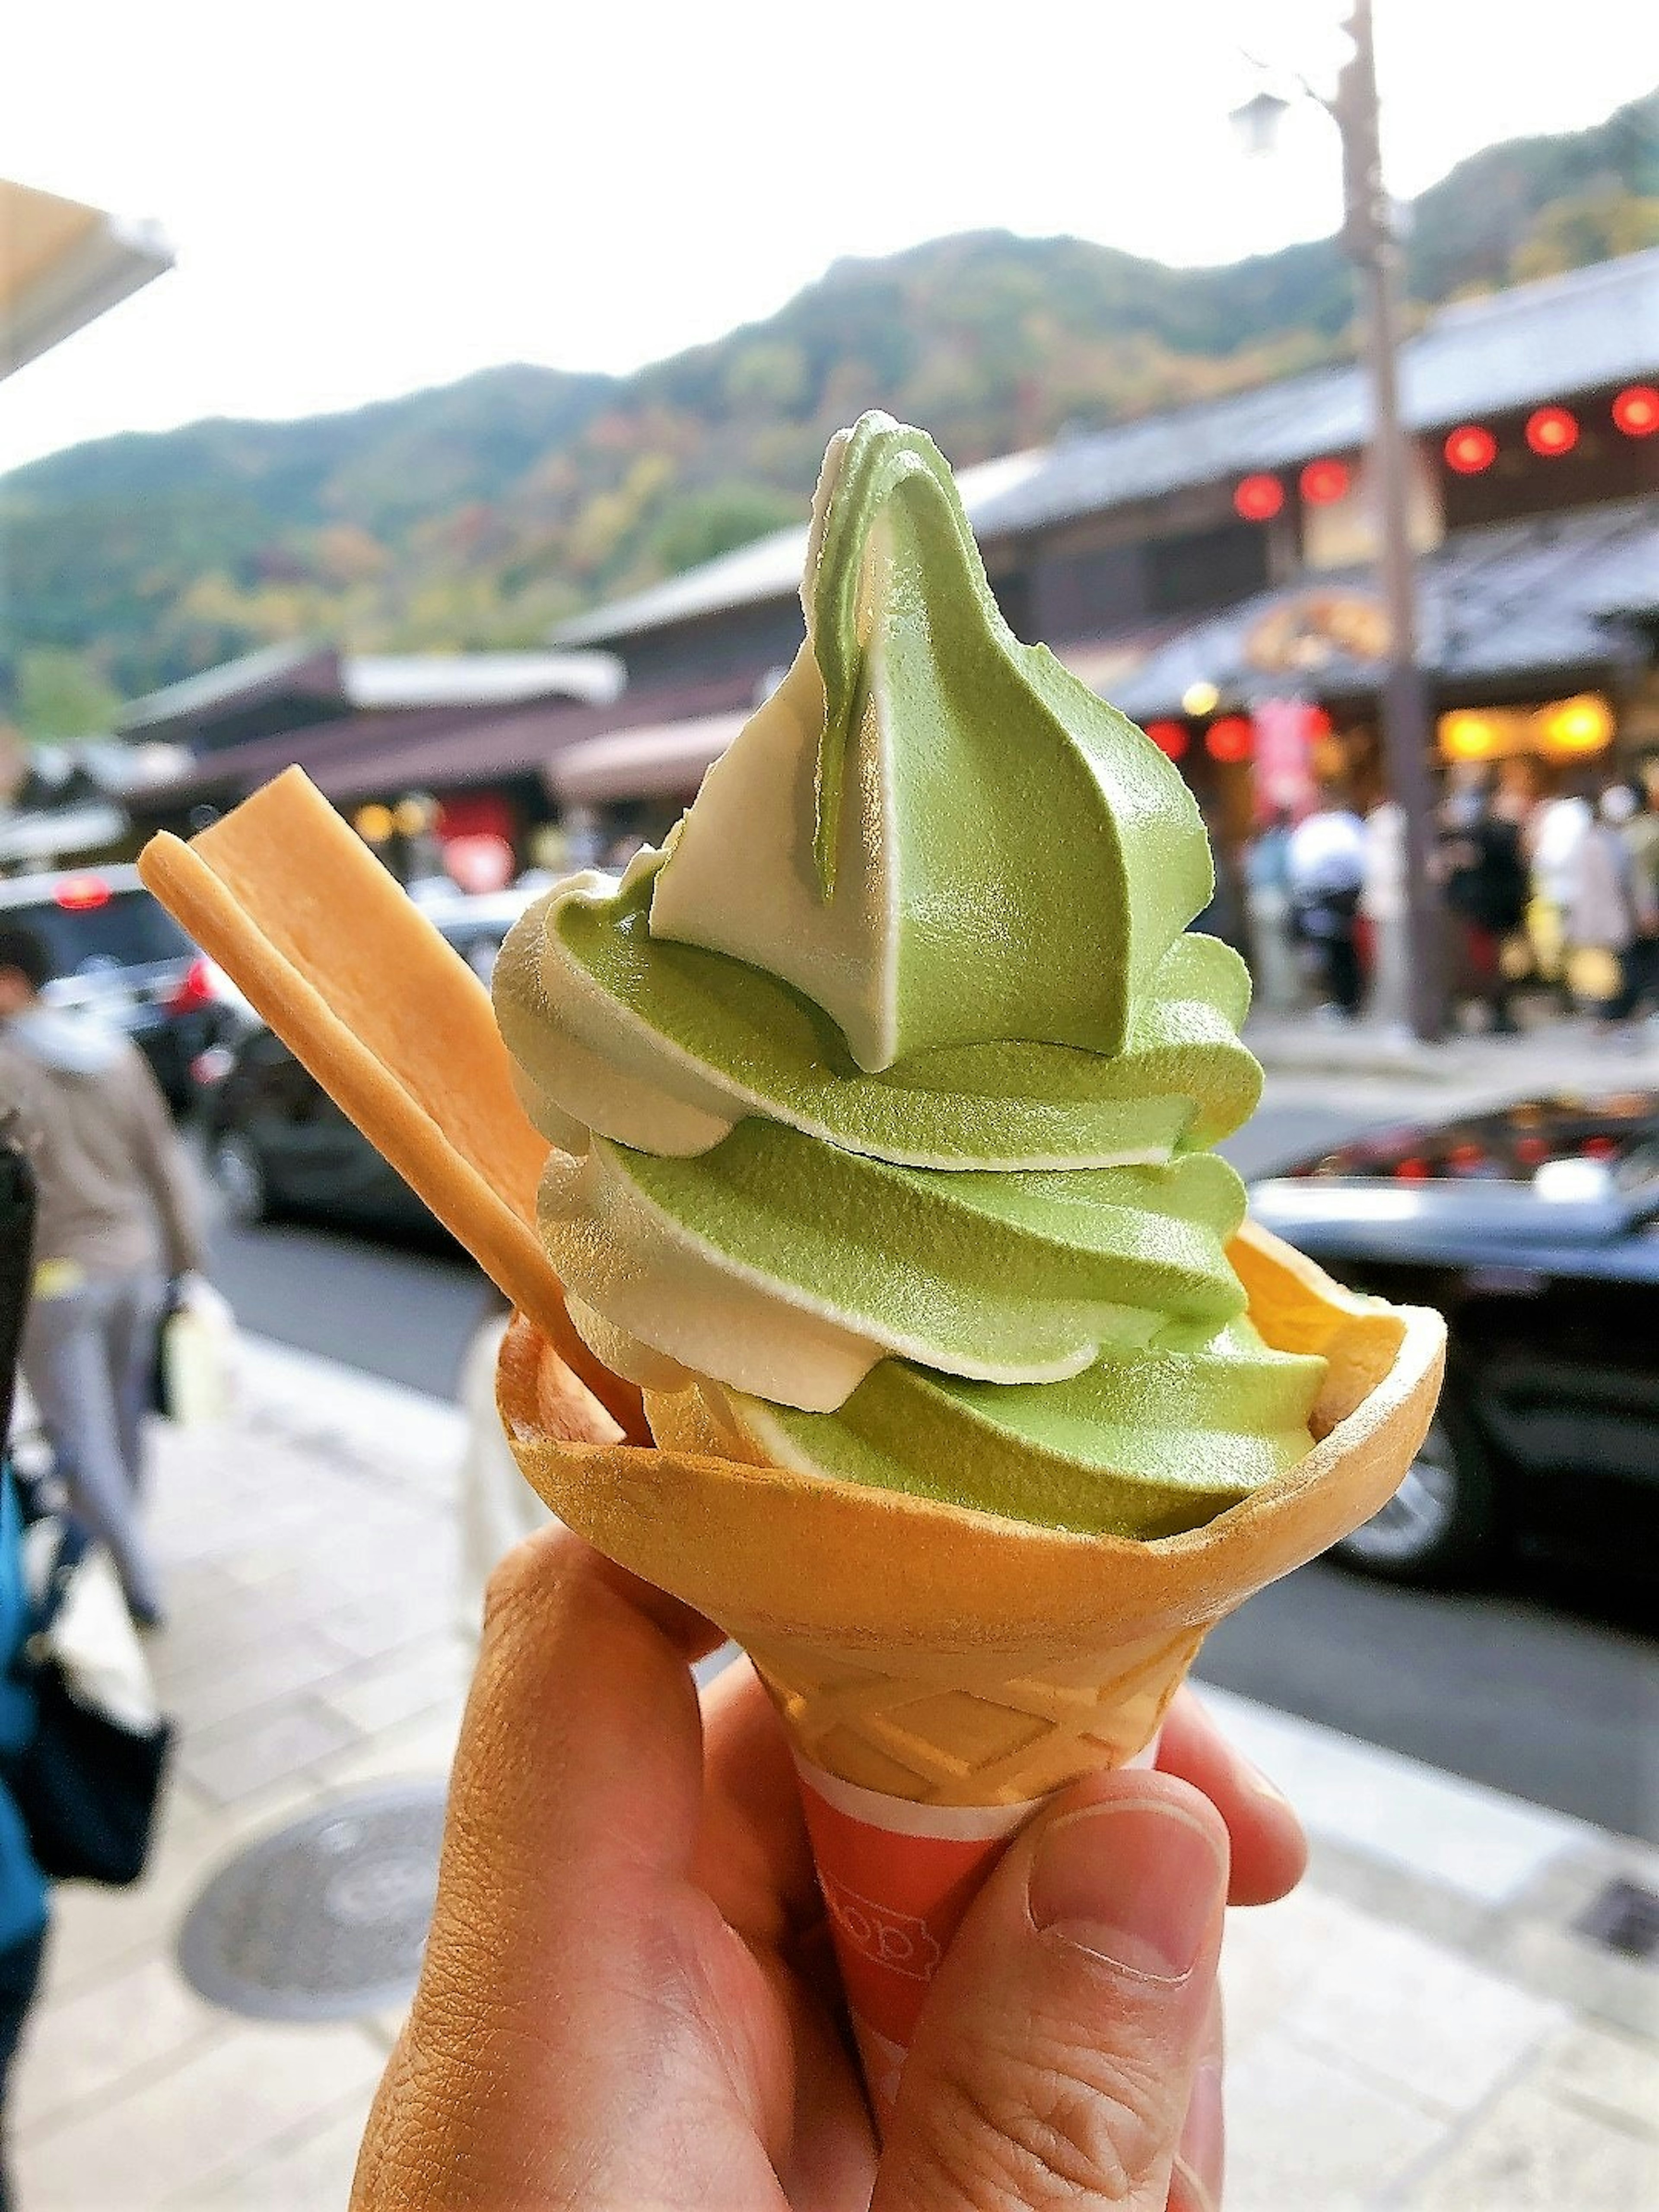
{"x": 62, "y": 265}
{"x": 664, "y": 760}
{"x": 1553, "y": 600}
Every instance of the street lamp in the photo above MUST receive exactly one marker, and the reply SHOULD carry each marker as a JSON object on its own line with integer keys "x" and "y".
{"x": 1369, "y": 239}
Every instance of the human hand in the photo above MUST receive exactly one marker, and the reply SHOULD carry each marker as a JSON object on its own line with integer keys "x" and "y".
{"x": 629, "y": 1999}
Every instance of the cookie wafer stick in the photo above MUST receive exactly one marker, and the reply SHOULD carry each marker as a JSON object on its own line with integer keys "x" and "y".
{"x": 390, "y": 1021}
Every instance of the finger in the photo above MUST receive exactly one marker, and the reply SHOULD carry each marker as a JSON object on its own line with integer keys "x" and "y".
{"x": 557, "y": 1951}
{"x": 1200, "y": 2155}
{"x": 753, "y": 1856}
{"x": 1056, "y": 2049}
{"x": 1269, "y": 1849}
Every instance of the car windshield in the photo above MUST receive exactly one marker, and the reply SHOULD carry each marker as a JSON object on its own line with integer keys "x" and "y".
{"x": 126, "y": 929}
{"x": 1618, "y": 1131}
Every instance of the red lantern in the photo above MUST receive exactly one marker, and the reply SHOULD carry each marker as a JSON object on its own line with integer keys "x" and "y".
{"x": 1635, "y": 410}
{"x": 1551, "y": 431}
{"x": 1324, "y": 482}
{"x": 1230, "y": 740}
{"x": 1258, "y": 499}
{"x": 1170, "y": 738}
{"x": 1470, "y": 448}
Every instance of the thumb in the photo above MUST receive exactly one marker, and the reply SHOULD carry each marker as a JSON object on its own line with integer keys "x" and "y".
{"x": 1057, "y": 2048}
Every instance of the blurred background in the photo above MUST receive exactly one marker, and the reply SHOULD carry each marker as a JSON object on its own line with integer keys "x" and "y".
{"x": 438, "y": 408}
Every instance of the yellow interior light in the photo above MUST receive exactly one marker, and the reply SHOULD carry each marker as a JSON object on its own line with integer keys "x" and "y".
{"x": 1584, "y": 725}
{"x": 1468, "y": 737}
{"x": 373, "y": 823}
{"x": 413, "y": 817}
{"x": 1200, "y": 699}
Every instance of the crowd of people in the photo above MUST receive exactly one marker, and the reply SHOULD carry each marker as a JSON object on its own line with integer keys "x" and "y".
{"x": 1551, "y": 893}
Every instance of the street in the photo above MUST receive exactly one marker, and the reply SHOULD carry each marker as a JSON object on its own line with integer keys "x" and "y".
{"x": 1542, "y": 1684}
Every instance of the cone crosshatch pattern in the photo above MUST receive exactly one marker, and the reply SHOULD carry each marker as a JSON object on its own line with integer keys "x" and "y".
{"x": 974, "y": 1735}
{"x": 952, "y": 1657}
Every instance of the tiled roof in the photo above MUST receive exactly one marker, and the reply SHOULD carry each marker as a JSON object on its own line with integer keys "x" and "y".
{"x": 1496, "y": 604}
{"x": 1577, "y": 332}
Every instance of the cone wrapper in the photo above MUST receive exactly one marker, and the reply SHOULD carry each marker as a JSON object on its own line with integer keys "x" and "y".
{"x": 897, "y": 1878}
{"x": 941, "y": 1671}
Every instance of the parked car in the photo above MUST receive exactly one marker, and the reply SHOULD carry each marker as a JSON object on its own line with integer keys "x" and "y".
{"x": 121, "y": 955}
{"x": 1536, "y": 1230}
{"x": 277, "y": 1143}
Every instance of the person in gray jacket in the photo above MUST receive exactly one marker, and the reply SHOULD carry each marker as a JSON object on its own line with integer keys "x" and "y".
{"x": 118, "y": 1215}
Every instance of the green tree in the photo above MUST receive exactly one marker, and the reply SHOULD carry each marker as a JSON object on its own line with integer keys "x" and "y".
{"x": 704, "y": 523}
{"x": 1570, "y": 233}
{"x": 61, "y": 695}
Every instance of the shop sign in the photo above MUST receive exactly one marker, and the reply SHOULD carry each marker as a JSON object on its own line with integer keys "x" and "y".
{"x": 1315, "y": 628}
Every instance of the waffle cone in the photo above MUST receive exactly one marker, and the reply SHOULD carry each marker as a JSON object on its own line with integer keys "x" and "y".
{"x": 948, "y": 1656}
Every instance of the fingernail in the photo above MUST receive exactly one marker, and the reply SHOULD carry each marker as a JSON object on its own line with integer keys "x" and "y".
{"x": 1255, "y": 1780}
{"x": 1140, "y": 1884}
{"x": 1203, "y": 2135}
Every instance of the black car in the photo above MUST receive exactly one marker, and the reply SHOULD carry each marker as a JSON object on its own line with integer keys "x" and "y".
{"x": 119, "y": 954}
{"x": 1536, "y": 1230}
{"x": 277, "y": 1143}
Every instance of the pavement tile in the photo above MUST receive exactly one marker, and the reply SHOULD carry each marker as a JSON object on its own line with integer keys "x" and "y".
{"x": 1305, "y": 2135}
{"x": 1475, "y": 1841}
{"x": 1416, "y": 2016}
{"x": 402, "y": 1687}
{"x": 1613, "y": 2074}
{"x": 372, "y": 1625}
{"x": 209, "y": 2114}
{"x": 239, "y": 1757}
{"x": 300, "y": 1659}
{"x": 310, "y": 2174}
{"x": 1532, "y": 2152}
{"x": 1271, "y": 1953}
{"x": 425, "y": 1747}
{"x": 90, "y": 2045}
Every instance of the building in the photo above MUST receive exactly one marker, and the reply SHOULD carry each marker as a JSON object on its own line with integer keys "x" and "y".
{"x": 1212, "y": 568}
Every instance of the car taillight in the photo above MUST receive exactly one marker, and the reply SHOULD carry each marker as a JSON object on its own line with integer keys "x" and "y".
{"x": 80, "y": 894}
{"x": 194, "y": 988}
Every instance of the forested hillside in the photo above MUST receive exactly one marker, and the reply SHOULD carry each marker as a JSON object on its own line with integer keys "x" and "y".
{"x": 480, "y": 514}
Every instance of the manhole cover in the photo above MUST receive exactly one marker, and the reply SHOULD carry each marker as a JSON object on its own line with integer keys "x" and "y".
{"x": 1625, "y": 1917}
{"x": 326, "y": 1919}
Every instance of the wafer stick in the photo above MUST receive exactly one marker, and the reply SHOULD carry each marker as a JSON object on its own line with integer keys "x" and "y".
{"x": 391, "y": 1021}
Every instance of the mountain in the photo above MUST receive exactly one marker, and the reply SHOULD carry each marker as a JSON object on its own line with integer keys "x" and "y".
{"x": 481, "y": 514}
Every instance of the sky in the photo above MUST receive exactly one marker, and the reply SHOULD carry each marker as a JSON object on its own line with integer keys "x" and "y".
{"x": 365, "y": 198}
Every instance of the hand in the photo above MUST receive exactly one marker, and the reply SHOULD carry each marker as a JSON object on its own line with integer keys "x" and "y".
{"x": 629, "y": 2004}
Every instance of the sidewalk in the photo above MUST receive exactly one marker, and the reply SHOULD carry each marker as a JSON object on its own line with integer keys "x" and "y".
{"x": 1419, "y": 2027}
{"x": 1567, "y": 1053}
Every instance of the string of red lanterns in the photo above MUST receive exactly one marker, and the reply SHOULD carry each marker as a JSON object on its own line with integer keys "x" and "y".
{"x": 1552, "y": 430}
{"x": 1259, "y": 498}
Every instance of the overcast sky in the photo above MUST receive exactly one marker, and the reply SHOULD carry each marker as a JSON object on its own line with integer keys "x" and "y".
{"x": 367, "y": 197}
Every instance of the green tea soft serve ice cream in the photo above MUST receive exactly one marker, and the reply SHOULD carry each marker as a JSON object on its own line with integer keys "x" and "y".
{"x": 882, "y": 1098}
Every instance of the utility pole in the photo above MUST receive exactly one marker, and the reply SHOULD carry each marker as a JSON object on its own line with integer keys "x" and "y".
{"x": 1406, "y": 717}
{"x": 1404, "y": 713}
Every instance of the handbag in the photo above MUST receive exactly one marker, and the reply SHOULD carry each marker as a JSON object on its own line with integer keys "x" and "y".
{"x": 89, "y": 1780}
{"x": 196, "y": 1357}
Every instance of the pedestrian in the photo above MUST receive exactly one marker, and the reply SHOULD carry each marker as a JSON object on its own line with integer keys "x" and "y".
{"x": 1550, "y": 839}
{"x": 1327, "y": 861}
{"x": 1609, "y": 908}
{"x": 117, "y": 1216}
{"x": 498, "y": 1508}
{"x": 1642, "y": 838}
{"x": 1267, "y": 900}
{"x": 1383, "y": 908}
{"x": 1484, "y": 875}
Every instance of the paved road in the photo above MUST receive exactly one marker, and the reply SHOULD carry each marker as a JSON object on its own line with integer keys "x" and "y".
{"x": 1540, "y": 1686}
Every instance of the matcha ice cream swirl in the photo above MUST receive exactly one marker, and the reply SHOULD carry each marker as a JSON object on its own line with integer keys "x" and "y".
{"x": 880, "y": 1097}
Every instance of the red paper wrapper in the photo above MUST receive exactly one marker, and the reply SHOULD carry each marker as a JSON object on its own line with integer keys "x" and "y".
{"x": 898, "y": 1878}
